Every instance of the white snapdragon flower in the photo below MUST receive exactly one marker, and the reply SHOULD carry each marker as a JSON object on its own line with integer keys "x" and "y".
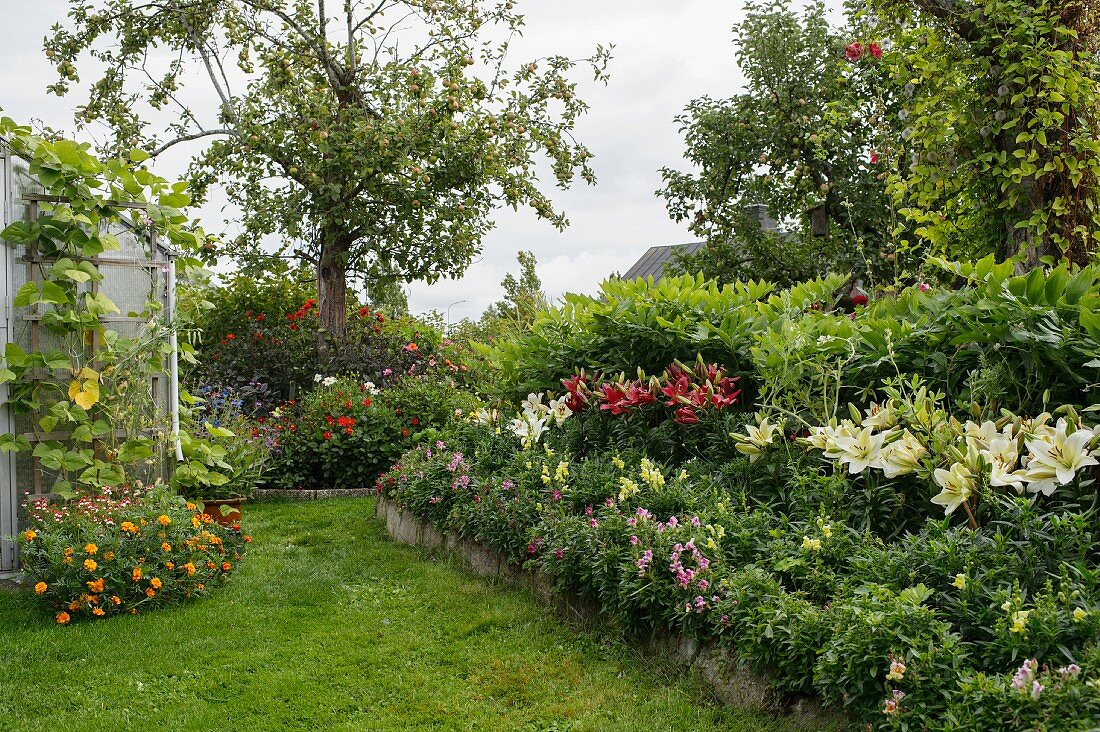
{"x": 370, "y": 388}
{"x": 328, "y": 381}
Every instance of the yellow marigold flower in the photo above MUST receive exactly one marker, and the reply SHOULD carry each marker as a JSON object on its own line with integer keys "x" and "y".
{"x": 170, "y": 565}
{"x": 189, "y": 568}
{"x": 68, "y": 551}
{"x": 195, "y": 521}
{"x": 201, "y": 586}
{"x": 164, "y": 520}
{"x": 150, "y": 592}
{"x": 116, "y": 600}
{"x": 30, "y": 534}
{"x": 98, "y": 611}
{"x": 96, "y": 585}
{"x": 90, "y": 548}
{"x": 40, "y": 588}
{"x": 90, "y": 565}
{"x": 136, "y": 574}
{"x": 191, "y": 506}
{"x": 129, "y": 527}
{"x": 155, "y": 582}
{"x": 166, "y": 547}
{"x": 960, "y": 581}
{"x": 62, "y": 618}
{"x": 108, "y": 556}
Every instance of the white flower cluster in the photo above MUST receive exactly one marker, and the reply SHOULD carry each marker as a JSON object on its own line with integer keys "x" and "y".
{"x": 324, "y": 380}
{"x": 1023, "y": 454}
{"x": 536, "y": 418}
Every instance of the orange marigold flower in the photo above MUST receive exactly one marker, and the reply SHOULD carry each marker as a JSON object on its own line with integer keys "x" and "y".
{"x": 30, "y": 534}
{"x": 195, "y": 521}
{"x": 96, "y": 586}
{"x": 155, "y": 582}
{"x": 136, "y": 574}
{"x": 90, "y": 548}
{"x": 201, "y": 586}
{"x": 108, "y": 556}
{"x": 191, "y": 507}
{"x": 164, "y": 520}
{"x": 62, "y": 618}
{"x": 211, "y": 565}
{"x": 98, "y": 611}
{"x": 68, "y": 551}
{"x": 170, "y": 565}
{"x": 74, "y": 605}
{"x": 166, "y": 547}
{"x": 40, "y": 588}
{"x": 189, "y": 568}
{"x": 226, "y": 566}
{"x": 247, "y": 539}
{"x": 90, "y": 565}
{"x": 129, "y": 527}
{"x": 150, "y": 592}
{"x": 116, "y": 600}
{"x": 133, "y": 611}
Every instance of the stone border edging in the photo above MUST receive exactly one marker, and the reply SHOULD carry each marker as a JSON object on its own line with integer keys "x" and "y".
{"x": 733, "y": 683}
{"x": 304, "y": 494}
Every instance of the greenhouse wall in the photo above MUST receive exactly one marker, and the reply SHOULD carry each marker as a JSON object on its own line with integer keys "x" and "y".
{"x": 133, "y": 276}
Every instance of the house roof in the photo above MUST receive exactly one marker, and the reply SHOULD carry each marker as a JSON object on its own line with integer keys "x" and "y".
{"x": 652, "y": 263}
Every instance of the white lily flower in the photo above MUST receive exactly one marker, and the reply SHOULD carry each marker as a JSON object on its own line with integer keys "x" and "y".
{"x": 880, "y": 416}
{"x": 533, "y": 405}
{"x": 757, "y": 440}
{"x": 560, "y": 410}
{"x": 902, "y": 456}
{"x": 958, "y": 485}
{"x": 1055, "y": 459}
{"x": 861, "y": 450}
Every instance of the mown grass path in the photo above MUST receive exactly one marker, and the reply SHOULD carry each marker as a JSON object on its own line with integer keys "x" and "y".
{"x": 330, "y": 626}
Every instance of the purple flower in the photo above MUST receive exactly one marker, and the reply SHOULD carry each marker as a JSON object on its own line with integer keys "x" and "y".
{"x": 633, "y": 541}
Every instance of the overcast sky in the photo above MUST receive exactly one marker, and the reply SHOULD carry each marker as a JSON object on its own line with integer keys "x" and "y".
{"x": 666, "y": 54}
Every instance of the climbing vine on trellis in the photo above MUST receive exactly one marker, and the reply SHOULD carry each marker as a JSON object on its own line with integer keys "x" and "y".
{"x": 86, "y": 388}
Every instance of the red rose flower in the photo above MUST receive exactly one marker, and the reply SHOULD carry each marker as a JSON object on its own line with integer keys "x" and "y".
{"x": 875, "y": 50}
{"x": 874, "y": 157}
{"x": 854, "y": 51}
{"x": 859, "y": 300}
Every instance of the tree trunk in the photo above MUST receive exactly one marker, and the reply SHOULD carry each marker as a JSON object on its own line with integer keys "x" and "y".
{"x": 332, "y": 285}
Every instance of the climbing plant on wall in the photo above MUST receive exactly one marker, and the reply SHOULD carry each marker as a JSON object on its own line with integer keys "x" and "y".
{"x": 86, "y": 387}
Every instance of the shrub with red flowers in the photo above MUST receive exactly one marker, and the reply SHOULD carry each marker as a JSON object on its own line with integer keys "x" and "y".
{"x": 125, "y": 550}
{"x": 280, "y": 344}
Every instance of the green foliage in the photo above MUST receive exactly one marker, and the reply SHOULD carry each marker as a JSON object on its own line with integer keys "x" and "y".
{"x": 129, "y": 551}
{"x": 796, "y": 140}
{"x": 375, "y": 141}
{"x": 89, "y": 389}
{"x": 999, "y": 101}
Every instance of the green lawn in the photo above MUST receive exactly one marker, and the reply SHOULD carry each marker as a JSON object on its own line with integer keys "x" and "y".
{"x": 330, "y": 626}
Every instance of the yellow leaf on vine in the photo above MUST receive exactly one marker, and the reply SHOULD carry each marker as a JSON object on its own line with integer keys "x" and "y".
{"x": 84, "y": 389}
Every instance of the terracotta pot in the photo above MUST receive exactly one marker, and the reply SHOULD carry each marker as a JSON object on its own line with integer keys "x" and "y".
{"x": 232, "y": 513}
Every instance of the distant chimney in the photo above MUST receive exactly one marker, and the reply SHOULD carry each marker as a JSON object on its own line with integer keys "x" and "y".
{"x": 759, "y": 211}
